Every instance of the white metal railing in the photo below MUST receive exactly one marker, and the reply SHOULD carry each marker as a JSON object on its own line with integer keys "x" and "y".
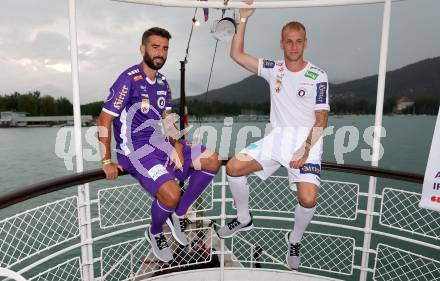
{"x": 34, "y": 231}
{"x": 326, "y": 252}
{"x": 50, "y": 233}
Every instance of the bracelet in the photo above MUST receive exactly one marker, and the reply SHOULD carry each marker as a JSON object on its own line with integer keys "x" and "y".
{"x": 106, "y": 162}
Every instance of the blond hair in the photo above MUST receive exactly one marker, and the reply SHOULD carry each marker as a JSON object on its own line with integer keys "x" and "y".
{"x": 293, "y": 25}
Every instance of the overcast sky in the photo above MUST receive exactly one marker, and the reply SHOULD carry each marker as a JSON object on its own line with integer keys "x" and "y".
{"x": 345, "y": 41}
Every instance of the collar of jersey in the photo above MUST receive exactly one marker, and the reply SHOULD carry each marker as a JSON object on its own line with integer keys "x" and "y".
{"x": 141, "y": 70}
{"x": 298, "y": 72}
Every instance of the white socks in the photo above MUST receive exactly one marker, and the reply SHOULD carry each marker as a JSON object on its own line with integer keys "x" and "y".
{"x": 240, "y": 192}
{"x": 303, "y": 216}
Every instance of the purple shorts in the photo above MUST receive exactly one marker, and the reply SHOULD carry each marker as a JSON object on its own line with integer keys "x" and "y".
{"x": 153, "y": 170}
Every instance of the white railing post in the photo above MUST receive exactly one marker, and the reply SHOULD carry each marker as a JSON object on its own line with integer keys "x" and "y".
{"x": 376, "y": 138}
{"x": 222, "y": 222}
{"x": 11, "y": 274}
{"x": 83, "y": 190}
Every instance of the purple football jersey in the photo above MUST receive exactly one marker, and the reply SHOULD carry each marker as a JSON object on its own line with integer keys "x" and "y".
{"x": 138, "y": 104}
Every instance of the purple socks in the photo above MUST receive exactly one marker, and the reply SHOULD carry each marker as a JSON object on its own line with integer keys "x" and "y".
{"x": 159, "y": 214}
{"x": 198, "y": 181}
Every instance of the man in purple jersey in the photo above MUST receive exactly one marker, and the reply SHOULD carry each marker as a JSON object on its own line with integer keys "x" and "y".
{"x": 138, "y": 103}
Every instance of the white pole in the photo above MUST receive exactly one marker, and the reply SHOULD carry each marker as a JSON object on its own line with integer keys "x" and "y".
{"x": 83, "y": 190}
{"x": 222, "y": 223}
{"x": 259, "y": 5}
{"x": 377, "y": 136}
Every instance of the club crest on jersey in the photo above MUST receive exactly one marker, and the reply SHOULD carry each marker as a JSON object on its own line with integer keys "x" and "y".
{"x": 268, "y": 64}
{"x": 321, "y": 93}
{"x": 145, "y": 106}
{"x": 311, "y": 75}
{"x": 120, "y": 99}
{"x": 302, "y": 92}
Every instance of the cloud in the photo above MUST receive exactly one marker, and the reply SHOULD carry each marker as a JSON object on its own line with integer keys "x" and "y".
{"x": 345, "y": 41}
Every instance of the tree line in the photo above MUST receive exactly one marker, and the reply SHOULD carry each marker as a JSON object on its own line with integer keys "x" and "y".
{"x": 37, "y": 105}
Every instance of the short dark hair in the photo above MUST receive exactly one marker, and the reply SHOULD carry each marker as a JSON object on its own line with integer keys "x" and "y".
{"x": 155, "y": 31}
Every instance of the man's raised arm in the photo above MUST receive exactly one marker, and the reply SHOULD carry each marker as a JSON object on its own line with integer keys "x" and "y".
{"x": 237, "y": 47}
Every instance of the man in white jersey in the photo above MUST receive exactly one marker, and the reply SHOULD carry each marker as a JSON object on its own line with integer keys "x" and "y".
{"x": 299, "y": 113}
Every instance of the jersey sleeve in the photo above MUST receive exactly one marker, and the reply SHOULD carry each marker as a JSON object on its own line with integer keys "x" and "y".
{"x": 168, "y": 99}
{"x": 118, "y": 96}
{"x": 266, "y": 68}
{"x": 322, "y": 93}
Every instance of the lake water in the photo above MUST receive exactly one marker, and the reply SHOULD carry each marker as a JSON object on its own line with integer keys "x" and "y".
{"x": 28, "y": 155}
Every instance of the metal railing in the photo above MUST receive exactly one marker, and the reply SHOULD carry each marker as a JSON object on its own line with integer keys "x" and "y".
{"x": 43, "y": 243}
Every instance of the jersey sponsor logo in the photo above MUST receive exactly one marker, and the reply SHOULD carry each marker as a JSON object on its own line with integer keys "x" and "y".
{"x": 145, "y": 105}
{"x": 144, "y": 92}
{"x": 268, "y": 64}
{"x": 121, "y": 96}
{"x": 137, "y": 78}
{"x": 134, "y": 71}
{"x": 280, "y": 64}
{"x": 317, "y": 69}
{"x": 302, "y": 92}
{"x": 310, "y": 168}
{"x": 161, "y": 102}
{"x": 321, "y": 93}
{"x": 161, "y": 93}
{"x": 311, "y": 75}
{"x": 306, "y": 84}
{"x": 277, "y": 90}
{"x": 157, "y": 171}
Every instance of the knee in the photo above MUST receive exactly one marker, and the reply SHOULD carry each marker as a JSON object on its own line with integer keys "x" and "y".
{"x": 214, "y": 162}
{"x": 233, "y": 169}
{"x": 170, "y": 199}
{"x": 307, "y": 202}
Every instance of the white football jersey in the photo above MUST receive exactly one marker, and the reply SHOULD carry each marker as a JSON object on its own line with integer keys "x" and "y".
{"x": 294, "y": 97}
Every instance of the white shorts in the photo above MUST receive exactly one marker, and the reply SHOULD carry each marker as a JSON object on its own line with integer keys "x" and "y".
{"x": 271, "y": 157}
